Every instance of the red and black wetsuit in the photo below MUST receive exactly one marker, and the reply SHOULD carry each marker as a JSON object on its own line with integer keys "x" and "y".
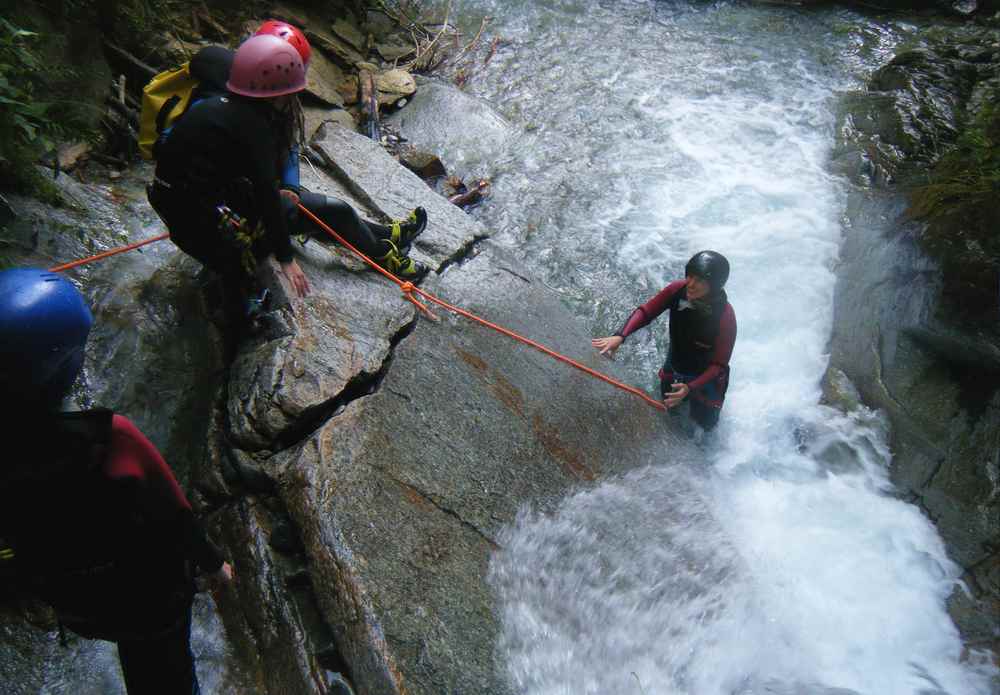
{"x": 702, "y": 336}
{"x": 97, "y": 526}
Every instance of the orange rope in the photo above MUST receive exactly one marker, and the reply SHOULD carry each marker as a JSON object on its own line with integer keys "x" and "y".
{"x": 409, "y": 289}
{"x": 106, "y": 254}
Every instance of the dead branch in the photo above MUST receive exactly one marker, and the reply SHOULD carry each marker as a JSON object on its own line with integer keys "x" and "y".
{"x": 149, "y": 71}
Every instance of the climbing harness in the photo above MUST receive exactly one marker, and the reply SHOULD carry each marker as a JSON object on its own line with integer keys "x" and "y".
{"x": 409, "y": 289}
{"x": 242, "y": 234}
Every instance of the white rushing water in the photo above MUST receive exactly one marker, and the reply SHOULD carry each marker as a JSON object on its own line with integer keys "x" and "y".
{"x": 781, "y": 563}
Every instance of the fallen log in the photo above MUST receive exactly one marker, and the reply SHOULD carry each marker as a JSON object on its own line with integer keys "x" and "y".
{"x": 139, "y": 65}
{"x": 369, "y": 103}
{"x": 471, "y": 196}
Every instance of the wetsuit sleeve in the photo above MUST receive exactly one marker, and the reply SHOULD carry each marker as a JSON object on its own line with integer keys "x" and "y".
{"x": 132, "y": 456}
{"x": 724, "y": 343}
{"x": 264, "y": 176}
{"x": 650, "y": 310}
{"x": 290, "y": 171}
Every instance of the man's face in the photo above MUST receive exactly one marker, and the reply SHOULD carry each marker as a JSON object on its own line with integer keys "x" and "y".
{"x": 697, "y": 288}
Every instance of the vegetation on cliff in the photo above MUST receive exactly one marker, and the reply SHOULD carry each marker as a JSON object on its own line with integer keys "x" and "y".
{"x": 960, "y": 202}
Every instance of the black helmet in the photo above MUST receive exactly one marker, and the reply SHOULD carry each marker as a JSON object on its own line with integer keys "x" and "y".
{"x": 710, "y": 266}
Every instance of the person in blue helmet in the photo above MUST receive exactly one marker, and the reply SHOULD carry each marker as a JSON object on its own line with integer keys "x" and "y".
{"x": 93, "y": 521}
{"x": 702, "y": 337}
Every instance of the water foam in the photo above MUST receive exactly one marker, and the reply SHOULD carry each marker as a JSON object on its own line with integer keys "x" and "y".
{"x": 787, "y": 567}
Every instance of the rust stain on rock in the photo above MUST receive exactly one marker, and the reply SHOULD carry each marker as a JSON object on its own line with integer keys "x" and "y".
{"x": 415, "y": 498}
{"x": 505, "y": 392}
{"x": 570, "y": 459}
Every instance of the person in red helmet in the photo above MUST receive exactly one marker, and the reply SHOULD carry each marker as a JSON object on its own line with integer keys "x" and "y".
{"x": 702, "y": 336}
{"x": 290, "y": 33}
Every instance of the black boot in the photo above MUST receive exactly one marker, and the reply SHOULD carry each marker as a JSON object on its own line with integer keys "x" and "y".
{"x": 405, "y": 231}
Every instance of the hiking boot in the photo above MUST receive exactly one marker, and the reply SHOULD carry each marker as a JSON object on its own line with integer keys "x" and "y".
{"x": 405, "y": 231}
{"x": 400, "y": 265}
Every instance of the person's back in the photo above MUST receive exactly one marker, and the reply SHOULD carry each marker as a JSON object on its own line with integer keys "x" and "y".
{"x": 93, "y": 520}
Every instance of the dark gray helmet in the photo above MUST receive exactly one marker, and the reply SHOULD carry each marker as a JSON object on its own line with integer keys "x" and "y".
{"x": 710, "y": 266}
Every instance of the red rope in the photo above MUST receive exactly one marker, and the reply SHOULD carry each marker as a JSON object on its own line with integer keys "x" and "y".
{"x": 408, "y": 288}
{"x": 106, "y": 254}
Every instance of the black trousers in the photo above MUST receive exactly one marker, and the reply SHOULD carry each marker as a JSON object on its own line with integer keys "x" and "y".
{"x": 194, "y": 229}
{"x": 704, "y": 414}
{"x": 163, "y": 665}
{"x": 367, "y": 237}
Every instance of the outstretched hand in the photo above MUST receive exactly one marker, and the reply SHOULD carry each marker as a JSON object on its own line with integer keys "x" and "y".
{"x": 296, "y": 277}
{"x": 678, "y": 392}
{"x": 607, "y": 346}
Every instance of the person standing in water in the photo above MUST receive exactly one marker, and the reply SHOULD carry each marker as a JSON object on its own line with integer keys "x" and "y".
{"x": 702, "y": 336}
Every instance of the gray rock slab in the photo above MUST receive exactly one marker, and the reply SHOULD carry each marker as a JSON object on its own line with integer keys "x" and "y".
{"x": 378, "y": 181}
{"x": 323, "y": 80}
{"x": 439, "y": 117}
{"x": 401, "y": 498}
{"x": 338, "y": 334}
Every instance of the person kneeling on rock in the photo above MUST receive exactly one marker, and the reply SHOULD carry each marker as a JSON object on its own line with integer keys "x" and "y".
{"x": 93, "y": 521}
{"x": 702, "y": 336}
{"x": 226, "y": 180}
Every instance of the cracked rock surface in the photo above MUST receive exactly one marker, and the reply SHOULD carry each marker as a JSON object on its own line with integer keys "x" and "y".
{"x": 399, "y": 447}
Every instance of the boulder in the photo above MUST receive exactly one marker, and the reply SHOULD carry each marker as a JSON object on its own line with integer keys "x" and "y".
{"x": 337, "y": 49}
{"x": 324, "y": 80}
{"x": 935, "y": 383}
{"x": 393, "y": 85}
{"x": 349, "y": 34}
{"x": 315, "y": 116}
{"x": 400, "y": 447}
{"x": 440, "y": 117}
{"x": 424, "y": 164}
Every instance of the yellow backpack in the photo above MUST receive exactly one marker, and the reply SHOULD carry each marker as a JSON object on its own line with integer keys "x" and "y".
{"x": 164, "y": 100}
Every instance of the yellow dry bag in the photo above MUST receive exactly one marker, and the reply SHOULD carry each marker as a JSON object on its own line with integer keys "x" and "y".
{"x": 164, "y": 99}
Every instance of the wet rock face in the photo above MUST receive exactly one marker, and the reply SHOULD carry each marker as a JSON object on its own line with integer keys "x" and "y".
{"x": 398, "y": 447}
{"x": 915, "y": 106}
{"x": 938, "y": 382}
{"x": 401, "y": 498}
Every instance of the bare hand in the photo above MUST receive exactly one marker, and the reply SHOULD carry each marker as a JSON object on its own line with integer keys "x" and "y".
{"x": 678, "y": 392}
{"x": 608, "y": 345}
{"x": 296, "y": 277}
{"x": 290, "y": 196}
{"x": 218, "y": 579}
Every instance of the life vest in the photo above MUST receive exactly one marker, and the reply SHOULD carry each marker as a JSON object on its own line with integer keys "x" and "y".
{"x": 693, "y": 333}
{"x": 74, "y": 538}
{"x": 164, "y": 100}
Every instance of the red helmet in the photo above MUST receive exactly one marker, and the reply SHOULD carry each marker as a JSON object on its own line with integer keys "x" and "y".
{"x": 290, "y": 33}
{"x": 264, "y": 67}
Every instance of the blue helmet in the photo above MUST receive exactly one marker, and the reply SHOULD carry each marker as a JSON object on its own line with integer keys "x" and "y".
{"x": 44, "y": 323}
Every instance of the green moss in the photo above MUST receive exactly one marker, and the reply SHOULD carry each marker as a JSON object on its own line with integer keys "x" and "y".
{"x": 960, "y": 203}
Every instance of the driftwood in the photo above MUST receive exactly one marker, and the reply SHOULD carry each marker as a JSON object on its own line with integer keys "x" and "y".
{"x": 142, "y": 67}
{"x": 472, "y": 195}
{"x": 369, "y": 103}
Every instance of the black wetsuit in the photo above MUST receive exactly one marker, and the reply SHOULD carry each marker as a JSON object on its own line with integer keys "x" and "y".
{"x": 701, "y": 345}
{"x": 95, "y": 524}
